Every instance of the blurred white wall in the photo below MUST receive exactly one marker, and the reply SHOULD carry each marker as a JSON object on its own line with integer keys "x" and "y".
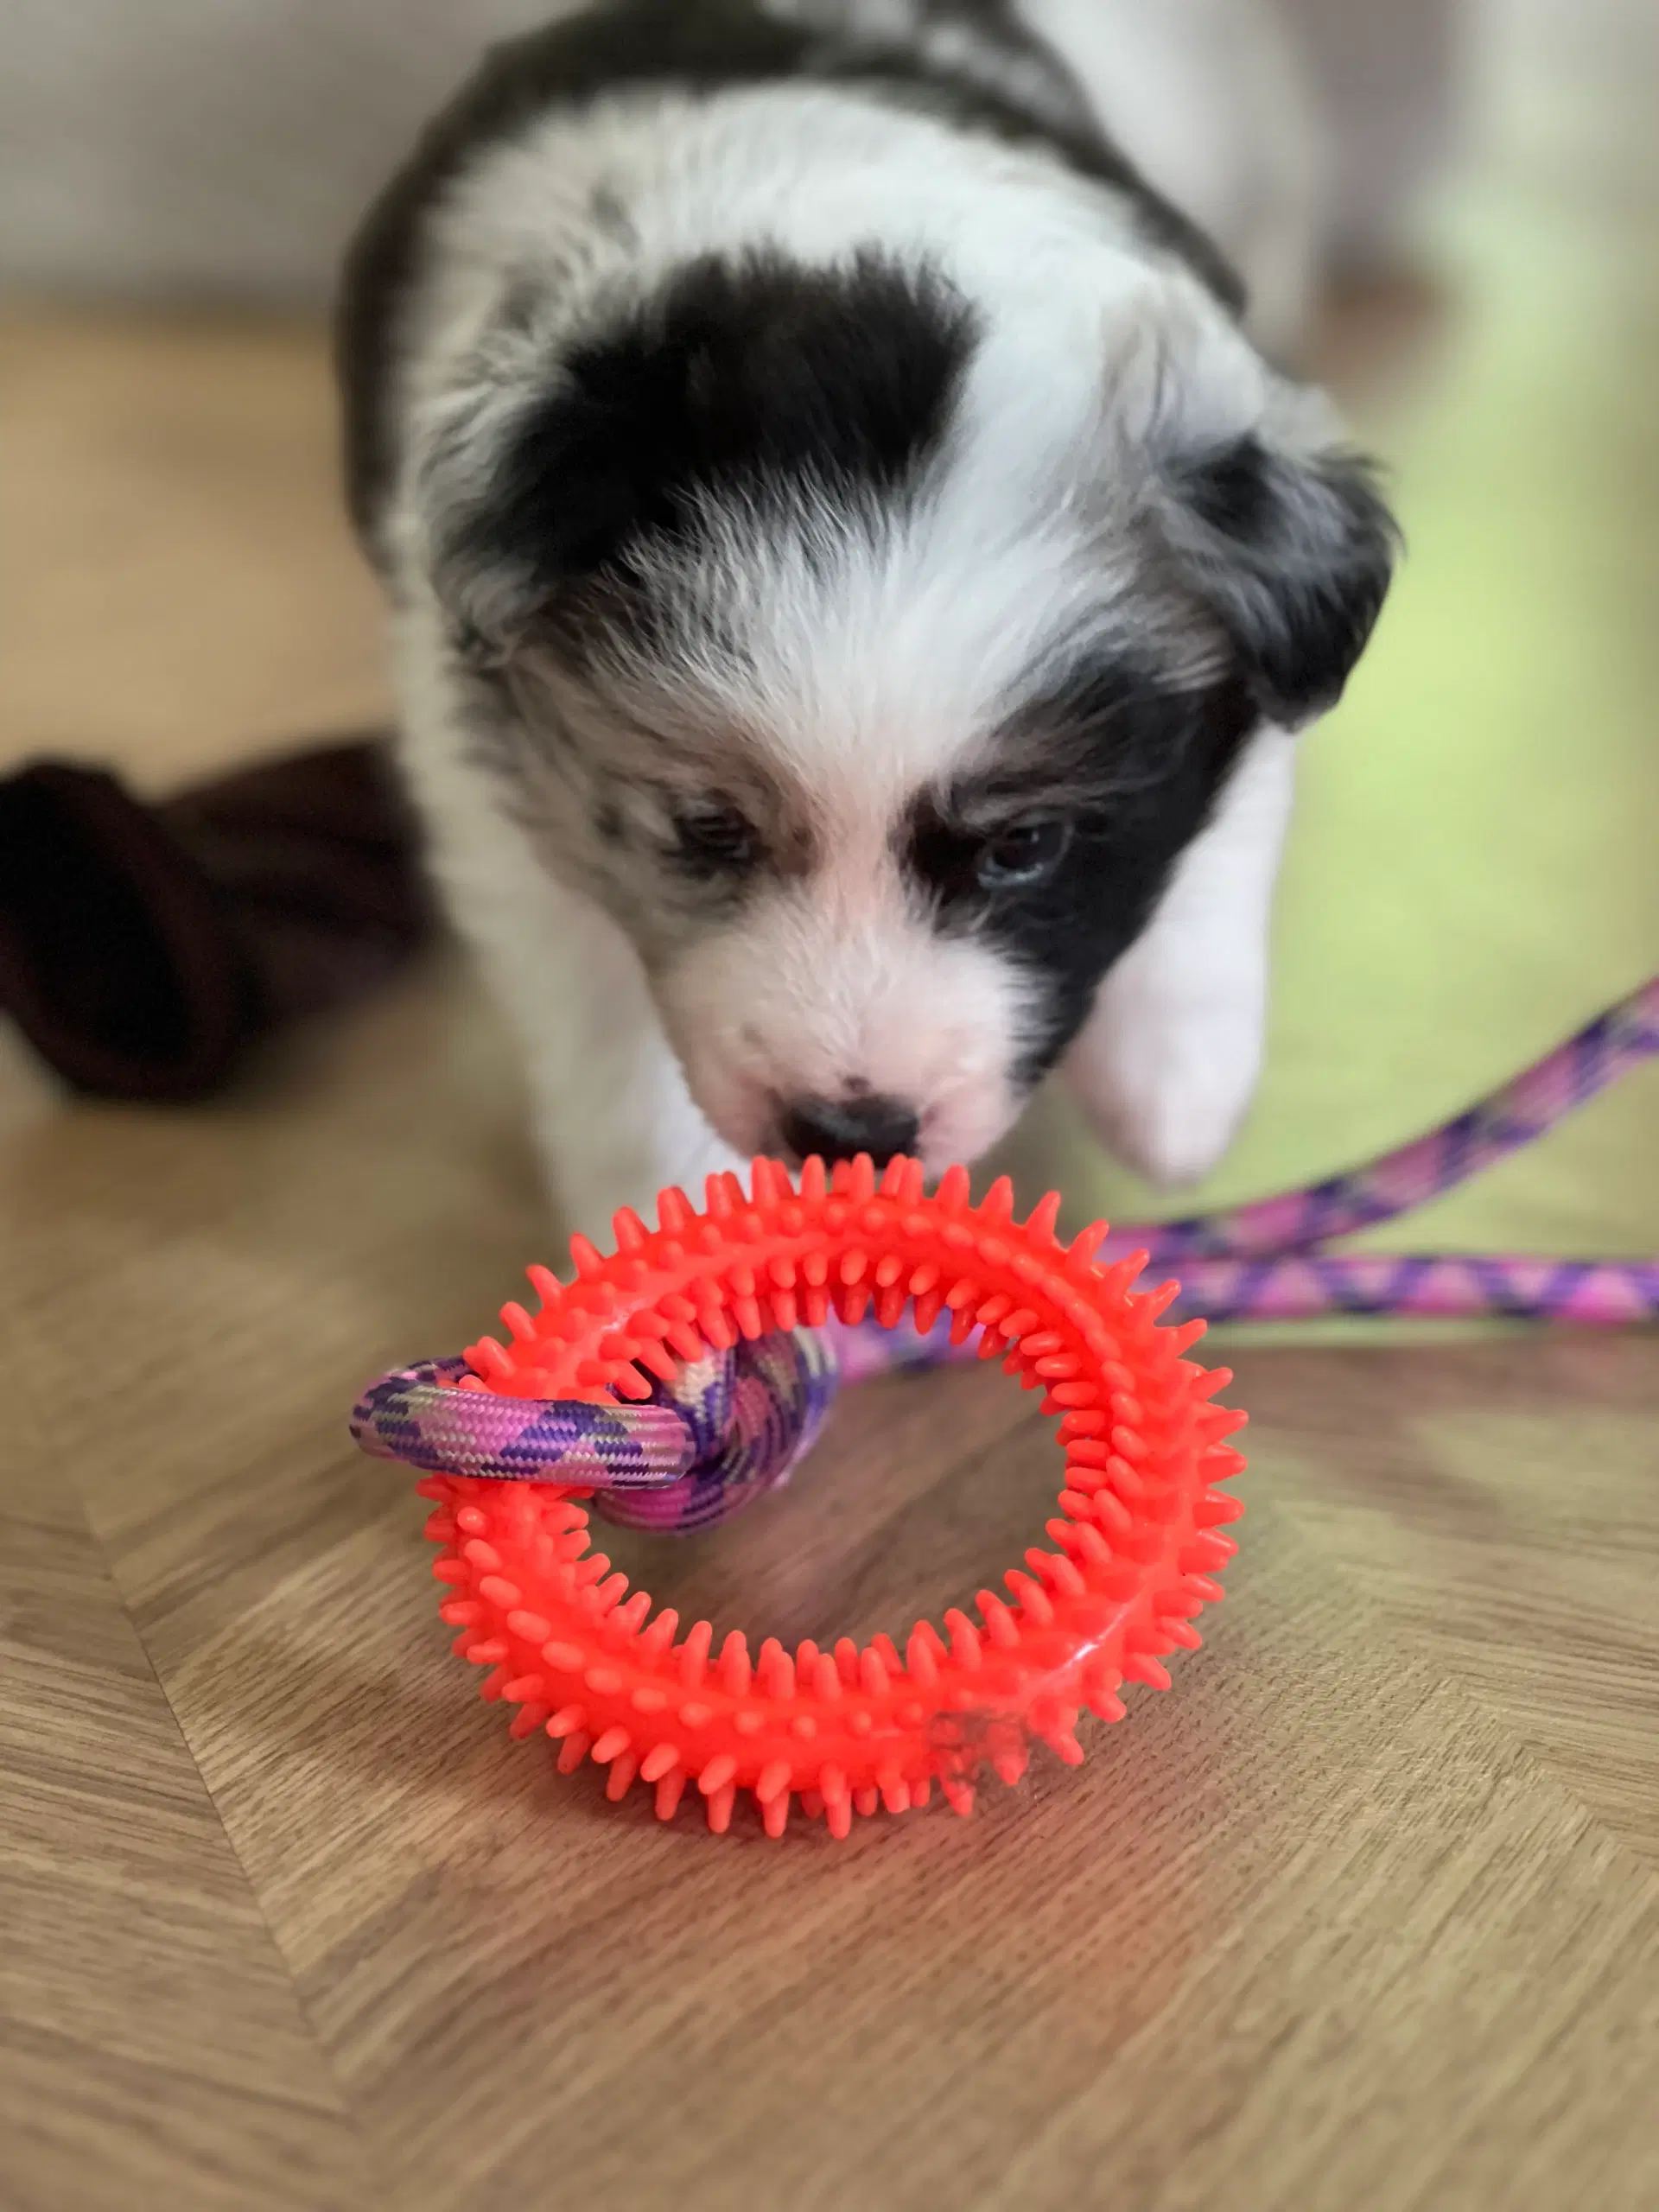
{"x": 213, "y": 146}
{"x": 1389, "y": 72}
{"x": 224, "y": 147}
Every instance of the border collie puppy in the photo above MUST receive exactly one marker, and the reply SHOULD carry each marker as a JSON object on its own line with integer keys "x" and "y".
{"x": 854, "y": 578}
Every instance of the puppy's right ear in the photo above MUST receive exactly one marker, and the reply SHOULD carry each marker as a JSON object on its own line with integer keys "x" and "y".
{"x": 1255, "y": 504}
{"x": 1291, "y": 550}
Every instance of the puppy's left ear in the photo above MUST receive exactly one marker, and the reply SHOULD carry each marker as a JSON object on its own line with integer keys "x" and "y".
{"x": 1291, "y": 551}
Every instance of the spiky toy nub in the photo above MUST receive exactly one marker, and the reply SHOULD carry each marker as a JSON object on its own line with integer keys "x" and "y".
{"x": 1136, "y": 1543}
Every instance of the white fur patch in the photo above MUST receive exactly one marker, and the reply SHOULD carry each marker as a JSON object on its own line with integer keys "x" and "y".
{"x": 835, "y": 985}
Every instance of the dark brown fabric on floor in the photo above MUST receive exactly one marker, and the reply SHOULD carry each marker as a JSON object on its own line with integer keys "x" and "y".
{"x": 144, "y": 949}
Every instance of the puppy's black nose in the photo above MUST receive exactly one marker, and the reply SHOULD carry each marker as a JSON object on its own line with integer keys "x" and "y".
{"x": 841, "y": 1128}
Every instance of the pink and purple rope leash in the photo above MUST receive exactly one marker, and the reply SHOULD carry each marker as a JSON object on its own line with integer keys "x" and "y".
{"x": 1271, "y": 1261}
{"x": 735, "y": 1425}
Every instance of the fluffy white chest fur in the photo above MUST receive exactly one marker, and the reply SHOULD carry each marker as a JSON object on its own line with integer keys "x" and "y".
{"x": 855, "y": 577}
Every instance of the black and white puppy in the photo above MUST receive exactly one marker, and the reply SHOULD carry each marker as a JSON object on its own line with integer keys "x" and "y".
{"x": 854, "y": 580}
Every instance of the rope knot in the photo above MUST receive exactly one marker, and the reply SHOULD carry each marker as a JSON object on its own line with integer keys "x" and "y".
{"x": 728, "y": 1428}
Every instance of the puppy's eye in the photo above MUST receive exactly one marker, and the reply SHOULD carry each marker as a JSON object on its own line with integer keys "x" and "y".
{"x": 716, "y": 841}
{"x": 1023, "y": 856}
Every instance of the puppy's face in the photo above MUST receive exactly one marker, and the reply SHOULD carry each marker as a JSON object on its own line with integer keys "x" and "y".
{"x": 874, "y": 699}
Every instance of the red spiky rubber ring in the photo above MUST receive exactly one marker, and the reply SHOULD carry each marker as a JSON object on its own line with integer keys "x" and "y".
{"x": 1136, "y": 1545}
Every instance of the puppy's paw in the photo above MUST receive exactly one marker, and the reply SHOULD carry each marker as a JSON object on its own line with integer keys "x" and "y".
{"x": 1168, "y": 1083}
{"x": 1167, "y": 1063}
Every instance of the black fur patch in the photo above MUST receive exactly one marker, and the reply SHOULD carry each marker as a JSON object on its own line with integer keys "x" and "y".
{"x": 1133, "y": 768}
{"x": 1294, "y": 556}
{"x": 704, "y": 45}
{"x": 738, "y": 378}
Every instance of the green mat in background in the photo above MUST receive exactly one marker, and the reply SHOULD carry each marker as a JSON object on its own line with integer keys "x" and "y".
{"x": 1474, "y": 872}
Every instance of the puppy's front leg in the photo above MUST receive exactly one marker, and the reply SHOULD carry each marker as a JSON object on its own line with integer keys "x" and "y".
{"x": 1169, "y": 1061}
{"x": 612, "y": 1118}
{"x": 614, "y": 1121}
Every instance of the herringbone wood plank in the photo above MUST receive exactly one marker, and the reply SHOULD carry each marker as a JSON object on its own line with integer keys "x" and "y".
{"x": 154, "y": 2047}
{"x": 1363, "y": 1912}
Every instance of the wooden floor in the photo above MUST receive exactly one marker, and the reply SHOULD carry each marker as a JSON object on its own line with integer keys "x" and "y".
{"x": 1362, "y": 1916}
{"x": 1365, "y": 1912}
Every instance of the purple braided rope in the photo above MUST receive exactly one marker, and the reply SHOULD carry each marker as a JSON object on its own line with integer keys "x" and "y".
{"x": 1301, "y": 1286}
{"x": 734, "y": 1424}
{"x": 751, "y": 1415}
{"x": 1515, "y": 1115}
{"x": 1266, "y": 1261}
{"x": 728, "y": 1429}
{"x": 421, "y": 1417}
